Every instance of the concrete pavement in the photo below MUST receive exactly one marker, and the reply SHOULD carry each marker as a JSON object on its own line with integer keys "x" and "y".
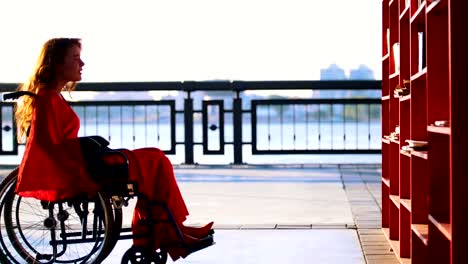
{"x": 283, "y": 214}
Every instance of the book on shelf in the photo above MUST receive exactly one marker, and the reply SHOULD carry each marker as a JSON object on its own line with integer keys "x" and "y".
{"x": 395, "y": 135}
{"x": 421, "y": 51}
{"x": 415, "y": 145}
{"x": 408, "y": 148}
{"x": 396, "y": 56}
{"x": 400, "y": 91}
{"x": 441, "y": 123}
{"x": 388, "y": 40}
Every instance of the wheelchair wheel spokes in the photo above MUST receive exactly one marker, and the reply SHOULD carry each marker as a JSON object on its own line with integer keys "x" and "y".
{"x": 45, "y": 233}
{"x": 8, "y": 253}
{"x": 31, "y": 229}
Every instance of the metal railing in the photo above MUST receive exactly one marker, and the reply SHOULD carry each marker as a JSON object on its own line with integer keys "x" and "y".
{"x": 230, "y": 118}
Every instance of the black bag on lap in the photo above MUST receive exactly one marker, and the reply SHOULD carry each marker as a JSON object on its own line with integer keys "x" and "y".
{"x": 107, "y": 167}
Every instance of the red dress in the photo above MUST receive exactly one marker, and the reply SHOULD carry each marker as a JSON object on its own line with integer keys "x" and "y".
{"x": 54, "y": 170}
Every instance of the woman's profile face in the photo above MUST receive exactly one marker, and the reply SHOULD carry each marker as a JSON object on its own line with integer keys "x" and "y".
{"x": 70, "y": 70}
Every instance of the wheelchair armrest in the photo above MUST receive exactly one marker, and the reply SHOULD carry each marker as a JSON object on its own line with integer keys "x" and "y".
{"x": 94, "y": 142}
{"x": 102, "y": 141}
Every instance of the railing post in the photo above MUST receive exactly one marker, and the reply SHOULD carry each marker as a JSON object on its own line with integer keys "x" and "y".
{"x": 188, "y": 127}
{"x": 1, "y": 129}
{"x": 7, "y": 128}
{"x": 237, "y": 127}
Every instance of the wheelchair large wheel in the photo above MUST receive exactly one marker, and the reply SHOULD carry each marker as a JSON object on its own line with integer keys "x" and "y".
{"x": 116, "y": 229}
{"x": 69, "y": 232}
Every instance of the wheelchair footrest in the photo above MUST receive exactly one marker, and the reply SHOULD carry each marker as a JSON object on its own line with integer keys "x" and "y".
{"x": 204, "y": 243}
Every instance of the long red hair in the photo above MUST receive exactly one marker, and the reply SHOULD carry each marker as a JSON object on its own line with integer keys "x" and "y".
{"x": 44, "y": 74}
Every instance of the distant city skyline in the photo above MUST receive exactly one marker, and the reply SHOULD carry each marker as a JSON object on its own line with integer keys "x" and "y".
{"x": 335, "y": 72}
{"x": 332, "y": 72}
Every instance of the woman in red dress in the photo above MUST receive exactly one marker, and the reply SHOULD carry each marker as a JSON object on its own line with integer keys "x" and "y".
{"x": 54, "y": 170}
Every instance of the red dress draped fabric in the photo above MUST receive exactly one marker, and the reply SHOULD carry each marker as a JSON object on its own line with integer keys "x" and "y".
{"x": 53, "y": 169}
{"x": 153, "y": 172}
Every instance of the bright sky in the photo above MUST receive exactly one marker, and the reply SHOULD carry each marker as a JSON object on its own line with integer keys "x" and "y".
{"x": 175, "y": 40}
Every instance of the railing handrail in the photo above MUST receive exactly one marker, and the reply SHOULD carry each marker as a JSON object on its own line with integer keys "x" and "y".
{"x": 337, "y": 111}
{"x": 191, "y": 86}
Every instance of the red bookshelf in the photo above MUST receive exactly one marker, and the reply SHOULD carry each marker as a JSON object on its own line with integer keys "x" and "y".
{"x": 424, "y": 208}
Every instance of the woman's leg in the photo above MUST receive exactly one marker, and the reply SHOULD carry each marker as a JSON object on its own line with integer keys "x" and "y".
{"x": 154, "y": 174}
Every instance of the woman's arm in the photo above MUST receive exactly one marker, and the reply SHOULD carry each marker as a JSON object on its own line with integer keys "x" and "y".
{"x": 49, "y": 127}
{"x": 46, "y": 124}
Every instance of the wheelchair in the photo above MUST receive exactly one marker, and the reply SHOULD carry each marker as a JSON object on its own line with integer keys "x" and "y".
{"x": 82, "y": 229}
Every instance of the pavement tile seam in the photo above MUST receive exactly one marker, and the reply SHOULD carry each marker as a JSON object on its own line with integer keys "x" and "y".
{"x": 364, "y": 200}
{"x": 285, "y": 226}
{"x": 377, "y": 253}
{"x": 382, "y": 247}
{"x": 370, "y": 231}
{"x": 372, "y": 238}
{"x": 370, "y": 242}
{"x": 368, "y": 221}
{"x": 382, "y": 257}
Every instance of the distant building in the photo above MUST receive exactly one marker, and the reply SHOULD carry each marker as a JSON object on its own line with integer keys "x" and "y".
{"x": 361, "y": 73}
{"x": 333, "y": 72}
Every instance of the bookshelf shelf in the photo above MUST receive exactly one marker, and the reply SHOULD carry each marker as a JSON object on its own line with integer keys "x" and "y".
{"x": 406, "y": 203}
{"x": 405, "y": 13}
{"x": 439, "y": 130}
{"x": 385, "y": 57}
{"x": 421, "y": 75}
{"x": 405, "y": 153}
{"x": 418, "y": 16}
{"x": 437, "y": 6}
{"x": 394, "y": 75}
{"x": 442, "y": 227}
{"x": 395, "y": 246}
{"x": 424, "y": 214}
{"x": 386, "y": 181}
{"x": 422, "y": 231}
{"x": 405, "y": 98}
{"x": 419, "y": 154}
{"x": 396, "y": 200}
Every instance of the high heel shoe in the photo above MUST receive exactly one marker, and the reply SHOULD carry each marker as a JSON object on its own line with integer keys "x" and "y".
{"x": 181, "y": 251}
{"x": 198, "y": 232}
{"x": 191, "y": 244}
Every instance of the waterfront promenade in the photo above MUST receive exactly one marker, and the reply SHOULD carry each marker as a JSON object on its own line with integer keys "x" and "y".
{"x": 283, "y": 214}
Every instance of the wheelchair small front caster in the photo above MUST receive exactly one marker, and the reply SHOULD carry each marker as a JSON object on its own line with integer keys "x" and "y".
{"x": 139, "y": 255}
